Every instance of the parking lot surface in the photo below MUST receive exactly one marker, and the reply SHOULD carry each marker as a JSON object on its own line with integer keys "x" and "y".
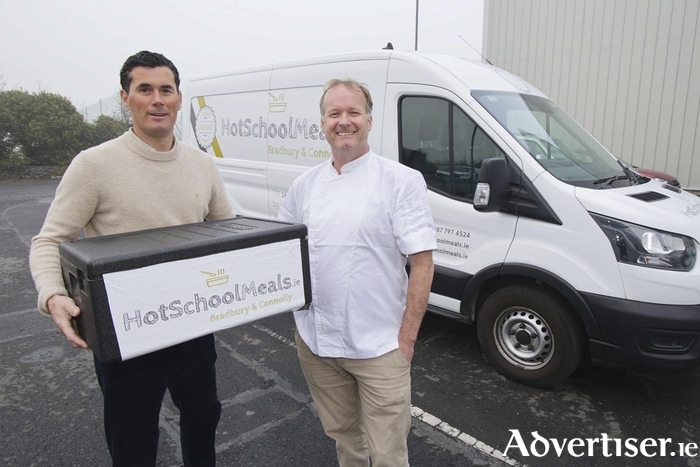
{"x": 464, "y": 411}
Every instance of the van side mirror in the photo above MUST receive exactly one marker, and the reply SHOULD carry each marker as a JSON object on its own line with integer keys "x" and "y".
{"x": 492, "y": 191}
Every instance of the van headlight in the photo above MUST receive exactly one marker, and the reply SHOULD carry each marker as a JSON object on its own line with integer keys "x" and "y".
{"x": 644, "y": 246}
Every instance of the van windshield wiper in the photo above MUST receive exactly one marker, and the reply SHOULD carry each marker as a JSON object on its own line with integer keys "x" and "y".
{"x": 605, "y": 182}
{"x": 631, "y": 174}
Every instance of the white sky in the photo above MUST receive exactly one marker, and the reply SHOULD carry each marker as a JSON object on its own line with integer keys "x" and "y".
{"x": 76, "y": 47}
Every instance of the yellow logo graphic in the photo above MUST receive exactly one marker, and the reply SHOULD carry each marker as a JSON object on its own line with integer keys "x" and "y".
{"x": 278, "y": 105}
{"x": 218, "y": 278}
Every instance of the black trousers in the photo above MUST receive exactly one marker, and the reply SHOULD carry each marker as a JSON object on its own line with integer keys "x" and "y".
{"x": 133, "y": 392}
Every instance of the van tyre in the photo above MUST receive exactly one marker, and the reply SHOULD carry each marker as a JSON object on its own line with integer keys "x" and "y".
{"x": 531, "y": 335}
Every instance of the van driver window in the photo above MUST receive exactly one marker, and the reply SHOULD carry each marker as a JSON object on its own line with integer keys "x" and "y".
{"x": 439, "y": 140}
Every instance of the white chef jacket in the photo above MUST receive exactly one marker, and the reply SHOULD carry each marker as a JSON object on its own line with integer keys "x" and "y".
{"x": 361, "y": 225}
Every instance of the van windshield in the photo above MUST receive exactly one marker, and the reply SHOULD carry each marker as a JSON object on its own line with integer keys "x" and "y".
{"x": 555, "y": 140}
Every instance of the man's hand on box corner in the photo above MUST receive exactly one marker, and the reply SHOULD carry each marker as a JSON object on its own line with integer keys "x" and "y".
{"x": 63, "y": 309}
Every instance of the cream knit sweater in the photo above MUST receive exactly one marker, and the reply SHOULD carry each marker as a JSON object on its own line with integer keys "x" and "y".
{"x": 120, "y": 186}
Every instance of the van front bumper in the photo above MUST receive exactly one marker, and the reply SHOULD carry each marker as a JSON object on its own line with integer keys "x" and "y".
{"x": 645, "y": 335}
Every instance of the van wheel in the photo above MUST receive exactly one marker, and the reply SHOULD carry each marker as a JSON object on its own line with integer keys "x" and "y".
{"x": 531, "y": 335}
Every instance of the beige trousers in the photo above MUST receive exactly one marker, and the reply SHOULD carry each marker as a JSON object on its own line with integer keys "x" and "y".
{"x": 364, "y": 405}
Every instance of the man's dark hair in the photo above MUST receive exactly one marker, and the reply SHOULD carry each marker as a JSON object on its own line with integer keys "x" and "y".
{"x": 149, "y": 60}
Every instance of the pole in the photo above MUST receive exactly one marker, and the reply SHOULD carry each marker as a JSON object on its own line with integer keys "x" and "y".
{"x": 416, "y": 24}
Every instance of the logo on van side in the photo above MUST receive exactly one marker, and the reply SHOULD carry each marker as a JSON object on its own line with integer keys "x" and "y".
{"x": 277, "y": 105}
{"x": 205, "y": 127}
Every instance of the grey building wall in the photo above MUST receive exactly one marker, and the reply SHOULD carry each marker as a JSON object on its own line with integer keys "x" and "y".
{"x": 627, "y": 70}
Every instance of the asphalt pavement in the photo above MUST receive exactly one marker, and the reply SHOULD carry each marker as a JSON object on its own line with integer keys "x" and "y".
{"x": 464, "y": 411}
{"x": 51, "y": 404}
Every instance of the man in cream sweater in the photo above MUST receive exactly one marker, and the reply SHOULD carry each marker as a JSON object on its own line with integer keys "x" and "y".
{"x": 141, "y": 180}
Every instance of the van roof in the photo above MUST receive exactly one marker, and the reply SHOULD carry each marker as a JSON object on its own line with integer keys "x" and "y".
{"x": 437, "y": 69}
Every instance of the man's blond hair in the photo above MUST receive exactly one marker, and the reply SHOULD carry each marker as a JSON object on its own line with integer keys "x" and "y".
{"x": 352, "y": 84}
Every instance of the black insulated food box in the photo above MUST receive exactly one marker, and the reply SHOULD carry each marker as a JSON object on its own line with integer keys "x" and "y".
{"x": 147, "y": 290}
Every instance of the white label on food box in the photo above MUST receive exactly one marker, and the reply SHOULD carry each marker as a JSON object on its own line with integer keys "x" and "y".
{"x": 161, "y": 305}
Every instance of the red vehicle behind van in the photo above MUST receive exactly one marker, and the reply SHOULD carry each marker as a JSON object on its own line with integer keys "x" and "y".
{"x": 655, "y": 174}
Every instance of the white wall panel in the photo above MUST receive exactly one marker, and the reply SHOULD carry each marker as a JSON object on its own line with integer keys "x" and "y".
{"x": 671, "y": 41}
{"x": 683, "y": 87}
{"x": 690, "y": 139}
{"x": 566, "y": 16}
{"x": 627, "y": 70}
{"x": 620, "y": 61}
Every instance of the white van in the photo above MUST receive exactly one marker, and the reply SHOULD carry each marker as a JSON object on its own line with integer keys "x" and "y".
{"x": 555, "y": 250}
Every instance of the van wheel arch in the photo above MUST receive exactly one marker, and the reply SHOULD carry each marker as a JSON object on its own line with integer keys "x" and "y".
{"x": 490, "y": 280}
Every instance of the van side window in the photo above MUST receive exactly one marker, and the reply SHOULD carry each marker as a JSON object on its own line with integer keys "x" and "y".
{"x": 439, "y": 140}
